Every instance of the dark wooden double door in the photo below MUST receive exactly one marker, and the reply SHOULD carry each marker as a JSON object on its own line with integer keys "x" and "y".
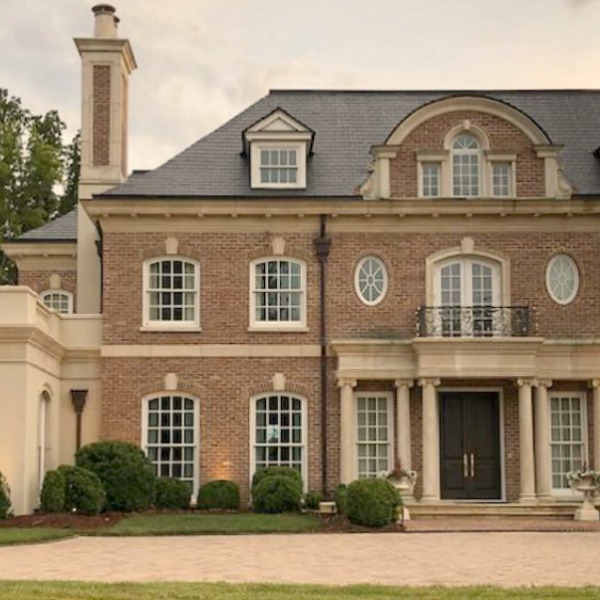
{"x": 470, "y": 446}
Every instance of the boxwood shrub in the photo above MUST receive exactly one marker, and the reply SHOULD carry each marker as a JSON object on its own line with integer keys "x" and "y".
{"x": 5, "y": 504}
{"x": 171, "y": 493}
{"x": 341, "y": 498}
{"x": 312, "y": 500}
{"x": 52, "y": 496}
{"x": 125, "y": 473}
{"x": 372, "y": 502}
{"x": 276, "y": 494}
{"x": 282, "y": 471}
{"x": 83, "y": 490}
{"x": 219, "y": 493}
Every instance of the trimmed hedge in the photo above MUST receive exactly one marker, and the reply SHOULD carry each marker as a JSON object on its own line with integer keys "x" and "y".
{"x": 52, "y": 496}
{"x": 219, "y": 493}
{"x": 5, "y": 504}
{"x": 372, "y": 502}
{"x": 125, "y": 472}
{"x": 341, "y": 498}
{"x": 83, "y": 490}
{"x": 276, "y": 494}
{"x": 171, "y": 493}
{"x": 282, "y": 471}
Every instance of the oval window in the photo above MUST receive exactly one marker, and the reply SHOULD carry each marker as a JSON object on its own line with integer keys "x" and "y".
{"x": 562, "y": 279}
{"x": 371, "y": 280}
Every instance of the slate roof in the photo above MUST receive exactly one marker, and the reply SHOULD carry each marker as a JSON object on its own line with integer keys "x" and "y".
{"x": 346, "y": 125}
{"x": 62, "y": 229}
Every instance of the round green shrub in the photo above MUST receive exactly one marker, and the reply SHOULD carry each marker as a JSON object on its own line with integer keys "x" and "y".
{"x": 341, "y": 497}
{"x": 5, "y": 505}
{"x": 372, "y": 502}
{"x": 171, "y": 493}
{"x": 276, "y": 494}
{"x": 219, "y": 493}
{"x": 52, "y": 496}
{"x": 283, "y": 471}
{"x": 312, "y": 499}
{"x": 83, "y": 490}
{"x": 125, "y": 472}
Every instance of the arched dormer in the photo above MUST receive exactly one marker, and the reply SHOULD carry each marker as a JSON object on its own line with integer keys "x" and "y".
{"x": 516, "y": 159}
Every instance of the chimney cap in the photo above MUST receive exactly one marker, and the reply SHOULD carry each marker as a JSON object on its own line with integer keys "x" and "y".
{"x": 99, "y": 9}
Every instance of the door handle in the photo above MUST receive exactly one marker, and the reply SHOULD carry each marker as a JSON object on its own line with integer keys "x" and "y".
{"x": 472, "y": 466}
{"x": 465, "y": 466}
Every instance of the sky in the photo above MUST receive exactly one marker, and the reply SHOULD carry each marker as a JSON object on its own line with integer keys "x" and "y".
{"x": 203, "y": 61}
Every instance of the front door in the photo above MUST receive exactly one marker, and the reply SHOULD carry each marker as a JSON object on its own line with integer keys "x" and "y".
{"x": 470, "y": 446}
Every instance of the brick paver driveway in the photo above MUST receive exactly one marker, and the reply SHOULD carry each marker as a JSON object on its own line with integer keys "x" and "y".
{"x": 506, "y": 559}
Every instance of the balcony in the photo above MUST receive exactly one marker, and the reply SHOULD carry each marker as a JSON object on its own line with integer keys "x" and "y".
{"x": 474, "y": 321}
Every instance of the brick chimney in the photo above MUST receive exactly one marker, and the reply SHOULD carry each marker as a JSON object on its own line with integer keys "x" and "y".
{"x": 106, "y": 64}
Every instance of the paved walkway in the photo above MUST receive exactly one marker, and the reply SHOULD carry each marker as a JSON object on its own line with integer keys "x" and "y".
{"x": 506, "y": 559}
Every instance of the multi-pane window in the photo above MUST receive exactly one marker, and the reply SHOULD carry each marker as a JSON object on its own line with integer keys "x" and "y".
{"x": 279, "y": 432}
{"x": 562, "y": 278}
{"x": 371, "y": 280}
{"x": 373, "y": 434}
{"x": 465, "y": 166}
{"x": 278, "y": 165}
{"x": 278, "y": 292}
{"x": 567, "y": 413}
{"x": 501, "y": 179}
{"x": 171, "y": 437}
{"x": 58, "y": 300}
{"x": 172, "y": 292}
{"x": 430, "y": 182}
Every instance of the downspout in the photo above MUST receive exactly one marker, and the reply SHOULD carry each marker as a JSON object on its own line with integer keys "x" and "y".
{"x": 100, "y": 251}
{"x": 322, "y": 246}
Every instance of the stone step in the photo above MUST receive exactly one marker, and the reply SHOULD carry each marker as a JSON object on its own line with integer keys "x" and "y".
{"x": 429, "y": 511}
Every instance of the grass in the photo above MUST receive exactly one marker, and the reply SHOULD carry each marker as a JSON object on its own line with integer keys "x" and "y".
{"x": 13, "y": 535}
{"x": 190, "y": 524}
{"x": 222, "y": 591}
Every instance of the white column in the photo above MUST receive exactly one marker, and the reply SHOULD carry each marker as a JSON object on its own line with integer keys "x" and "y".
{"x": 347, "y": 433}
{"x": 403, "y": 453}
{"x": 527, "y": 469}
{"x": 596, "y": 397}
{"x": 431, "y": 441}
{"x": 543, "y": 473}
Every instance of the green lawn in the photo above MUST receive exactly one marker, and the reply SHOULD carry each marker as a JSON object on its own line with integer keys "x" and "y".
{"x": 14, "y": 535}
{"x": 222, "y": 591}
{"x": 190, "y": 524}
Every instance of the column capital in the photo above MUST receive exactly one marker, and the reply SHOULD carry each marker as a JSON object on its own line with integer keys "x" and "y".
{"x": 531, "y": 381}
{"x": 344, "y": 381}
{"x": 429, "y": 381}
{"x": 547, "y": 383}
{"x": 404, "y": 383}
{"x": 594, "y": 383}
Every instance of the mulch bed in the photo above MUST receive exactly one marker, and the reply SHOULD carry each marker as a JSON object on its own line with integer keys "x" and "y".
{"x": 64, "y": 521}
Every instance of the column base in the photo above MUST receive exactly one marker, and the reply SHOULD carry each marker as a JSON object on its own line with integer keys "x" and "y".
{"x": 429, "y": 500}
{"x": 527, "y": 499}
{"x": 545, "y": 498}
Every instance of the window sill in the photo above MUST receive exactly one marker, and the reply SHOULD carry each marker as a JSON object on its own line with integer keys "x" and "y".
{"x": 277, "y": 329}
{"x": 171, "y": 328}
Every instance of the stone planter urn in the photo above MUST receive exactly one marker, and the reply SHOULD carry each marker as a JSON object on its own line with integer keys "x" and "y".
{"x": 404, "y": 481}
{"x": 587, "y": 482}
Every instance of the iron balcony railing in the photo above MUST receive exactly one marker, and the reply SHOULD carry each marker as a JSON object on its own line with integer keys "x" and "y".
{"x": 474, "y": 321}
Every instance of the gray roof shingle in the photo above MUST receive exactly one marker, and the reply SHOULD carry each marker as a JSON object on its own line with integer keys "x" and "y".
{"x": 61, "y": 229}
{"x": 346, "y": 125}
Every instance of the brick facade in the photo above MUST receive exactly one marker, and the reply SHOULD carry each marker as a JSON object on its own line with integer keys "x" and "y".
{"x": 39, "y": 281}
{"x": 101, "y": 111}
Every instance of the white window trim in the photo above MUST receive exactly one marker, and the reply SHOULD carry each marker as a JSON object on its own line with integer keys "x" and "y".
{"x": 256, "y": 147}
{"x": 68, "y": 295}
{"x": 386, "y": 280}
{"x": 575, "y": 285}
{"x": 144, "y": 440}
{"x": 289, "y": 326}
{"x": 149, "y": 325}
{"x": 304, "y": 413}
{"x": 566, "y": 493}
{"x": 511, "y": 159}
{"x": 439, "y": 158}
{"x": 391, "y": 419}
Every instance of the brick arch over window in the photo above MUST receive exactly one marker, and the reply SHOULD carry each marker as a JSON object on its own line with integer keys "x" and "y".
{"x": 469, "y": 103}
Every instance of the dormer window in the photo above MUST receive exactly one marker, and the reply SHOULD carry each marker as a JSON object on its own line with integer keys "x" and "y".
{"x": 278, "y": 146}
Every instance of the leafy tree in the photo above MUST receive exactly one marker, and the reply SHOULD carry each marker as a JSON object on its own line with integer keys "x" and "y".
{"x": 34, "y": 163}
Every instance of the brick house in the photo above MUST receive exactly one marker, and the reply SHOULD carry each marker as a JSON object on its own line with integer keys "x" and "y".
{"x": 332, "y": 280}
